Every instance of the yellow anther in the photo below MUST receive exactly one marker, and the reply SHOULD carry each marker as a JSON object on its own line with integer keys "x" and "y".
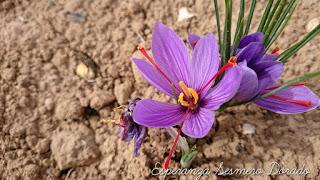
{"x": 189, "y": 97}
{"x": 194, "y": 94}
{"x": 182, "y": 101}
{"x": 184, "y": 89}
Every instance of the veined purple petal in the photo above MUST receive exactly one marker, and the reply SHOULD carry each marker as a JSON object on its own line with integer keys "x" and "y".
{"x": 254, "y": 37}
{"x": 157, "y": 114}
{"x": 249, "y": 83}
{"x": 193, "y": 39}
{"x": 251, "y": 53}
{"x": 298, "y": 93}
{"x": 198, "y": 124}
{"x": 170, "y": 53}
{"x": 224, "y": 91}
{"x": 154, "y": 77}
{"x": 205, "y": 61}
{"x": 268, "y": 73}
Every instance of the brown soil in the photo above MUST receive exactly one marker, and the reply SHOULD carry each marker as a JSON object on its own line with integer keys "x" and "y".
{"x": 49, "y": 116}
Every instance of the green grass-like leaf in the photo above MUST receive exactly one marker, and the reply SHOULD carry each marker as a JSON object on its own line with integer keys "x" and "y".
{"x": 239, "y": 29}
{"x": 270, "y": 16}
{"x": 265, "y": 16}
{"x": 274, "y": 17}
{"x": 248, "y": 21}
{"x": 216, "y": 9}
{"x": 281, "y": 23}
{"x": 284, "y": 56}
{"x": 227, "y": 31}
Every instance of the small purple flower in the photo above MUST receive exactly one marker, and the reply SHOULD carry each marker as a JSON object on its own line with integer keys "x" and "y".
{"x": 260, "y": 72}
{"x": 173, "y": 73}
{"x": 131, "y": 130}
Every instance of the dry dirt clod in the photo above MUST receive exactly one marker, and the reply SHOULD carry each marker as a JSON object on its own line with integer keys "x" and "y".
{"x": 69, "y": 109}
{"x": 123, "y": 92}
{"x": 74, "y": 146}
{"x": 101, "y": 99}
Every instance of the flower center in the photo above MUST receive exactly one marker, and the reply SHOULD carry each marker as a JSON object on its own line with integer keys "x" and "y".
{"x": 188, "y": 97}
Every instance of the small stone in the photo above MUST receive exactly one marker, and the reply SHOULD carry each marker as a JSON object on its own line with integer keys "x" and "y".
{"x": 17, "y": 130}
{"x": 74, "y": 146}
{"x": 49, "y": 104}
{"x": 248, "y": 129}
{"x": 312, "y": 24}
{"x": 43, "y": 146}
{"x": 184, "y": 14}
{"x": 84, "y": 71}
{"x": 123, "y": 92}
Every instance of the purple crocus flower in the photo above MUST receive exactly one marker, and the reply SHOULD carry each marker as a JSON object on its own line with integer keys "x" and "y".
{"x": 131, "y": 130}
{"x": 260, "y": 72}
{"x": 189, "y": 81}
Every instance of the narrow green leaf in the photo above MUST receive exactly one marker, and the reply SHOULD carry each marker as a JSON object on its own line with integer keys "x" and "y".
{"x": 216, "y": 9}
{"x": 291, "y": 82}
{"x": 248, "y": 23}
{"x": 239, "y": 29}
{"x": 271, "y": 15}
{"x": 265, "y": 15}
{"x": 227, "y": 31}
{"x": 296, "y": 47}
{"x": 281, "y": 23}
{"x": 274, "y": 17}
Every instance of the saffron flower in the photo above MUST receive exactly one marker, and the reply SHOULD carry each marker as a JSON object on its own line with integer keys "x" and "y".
{"x": 131, "y": 130}
{"x": 260, "y": 72}
{"x": 189, "y": 81}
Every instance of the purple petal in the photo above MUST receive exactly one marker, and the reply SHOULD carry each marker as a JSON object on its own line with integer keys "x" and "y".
{"x": 157, "y": 114}
{"x": 170, "y": 53}
{"x": 193, "y": 39}
{"x": 268, "y": 73}
{"x": 251, "y": 53}
{"x": 249, "y": 83}
{"x": 154, "y": 77}
{"x": 198, "y": 124}
{"x": 254, "y": 37}
{"x": 300, "y": 93}
{"x": 224, "y": 91}
{"x": 139, "y": 140}
{"x": 205, "y": 61}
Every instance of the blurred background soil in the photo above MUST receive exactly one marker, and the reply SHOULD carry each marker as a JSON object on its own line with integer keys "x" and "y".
{"x": 49, "y": 115}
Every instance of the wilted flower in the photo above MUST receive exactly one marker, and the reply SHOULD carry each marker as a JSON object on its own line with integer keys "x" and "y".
{"x": 129, "y": 129}
{"x": 260, "y": 72}
{"x": 189, "y": 81}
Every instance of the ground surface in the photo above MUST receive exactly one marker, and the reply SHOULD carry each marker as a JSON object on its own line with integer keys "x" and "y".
{"x": 49, "y": 116}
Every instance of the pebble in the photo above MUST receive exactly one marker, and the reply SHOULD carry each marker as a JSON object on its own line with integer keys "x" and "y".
{"x": 248, "y": 129}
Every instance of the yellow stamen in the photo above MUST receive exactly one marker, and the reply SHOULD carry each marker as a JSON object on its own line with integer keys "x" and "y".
{"x": 184, "y": 89}
{"x": 194, "y": 95}
{"x": 182, "y": 101}
{"x": 191, "y": 95}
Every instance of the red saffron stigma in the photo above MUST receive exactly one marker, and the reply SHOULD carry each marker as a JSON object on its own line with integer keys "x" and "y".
{"x": 297, "y": 84}
{"x": 167, "y": 160}
{"x": 275, "y": 50}
{"x": 302, "y": 103}
{"x": 231, "y": 63}
{"x": 149, "y": 58}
